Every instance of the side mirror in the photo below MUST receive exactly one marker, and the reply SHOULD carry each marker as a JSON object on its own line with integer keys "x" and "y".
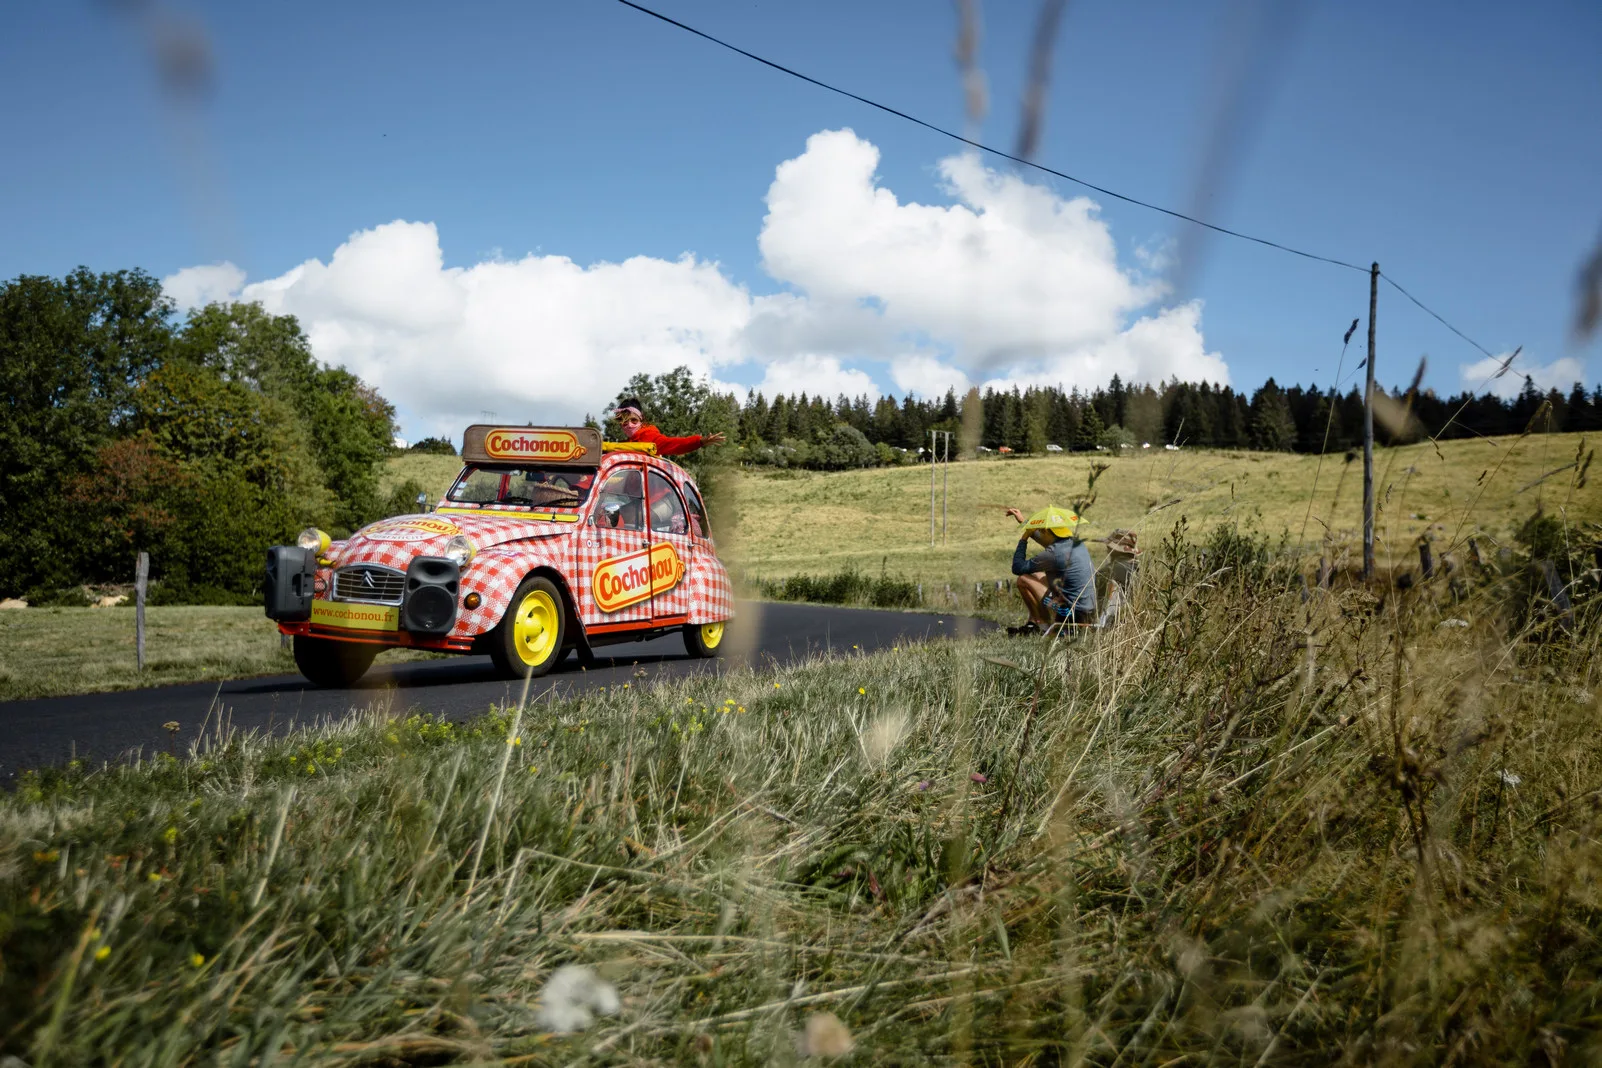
{"x": 422, "y": 502}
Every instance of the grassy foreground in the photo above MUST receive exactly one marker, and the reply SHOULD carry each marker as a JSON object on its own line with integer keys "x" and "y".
{"x": 1236, "y": 828}
{"x": 46, "y": 652}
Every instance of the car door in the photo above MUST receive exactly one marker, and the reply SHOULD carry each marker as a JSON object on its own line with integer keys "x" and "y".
{"x": 619, "y": 575}
{"x": 672, "y": 553}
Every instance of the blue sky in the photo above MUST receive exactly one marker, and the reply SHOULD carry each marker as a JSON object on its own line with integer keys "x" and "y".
{"x": 1454, "y": 143}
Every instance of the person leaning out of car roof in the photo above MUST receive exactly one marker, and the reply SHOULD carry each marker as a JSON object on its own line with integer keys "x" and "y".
{"x": 631, "y": 417}
{"x": 1058, "y": 586}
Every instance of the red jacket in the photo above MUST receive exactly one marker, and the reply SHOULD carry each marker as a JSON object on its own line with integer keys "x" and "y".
{"x": 666, "y": 446}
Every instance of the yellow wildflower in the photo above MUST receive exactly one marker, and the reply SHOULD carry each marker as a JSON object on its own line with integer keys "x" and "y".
{"x": 170, "y": 835}
{"x": 102, "y": 953}
{"x": 196, "y": 960}
{"x": 861, "y": 690}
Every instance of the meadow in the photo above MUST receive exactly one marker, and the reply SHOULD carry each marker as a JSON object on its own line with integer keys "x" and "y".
{"x": 788, "y": 522}
{"x": 1238, "y": 827}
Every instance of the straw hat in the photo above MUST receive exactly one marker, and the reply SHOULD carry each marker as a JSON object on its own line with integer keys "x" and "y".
{"x": 1122, "y": 541}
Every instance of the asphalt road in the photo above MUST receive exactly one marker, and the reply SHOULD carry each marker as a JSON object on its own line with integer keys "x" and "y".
{"x": 108, "y": 726}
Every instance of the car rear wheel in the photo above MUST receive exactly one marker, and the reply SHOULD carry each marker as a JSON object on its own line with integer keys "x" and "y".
{"x": 333, "y": 664}
{"x": 528, "y": 642}
{"x": 703, "y": 639}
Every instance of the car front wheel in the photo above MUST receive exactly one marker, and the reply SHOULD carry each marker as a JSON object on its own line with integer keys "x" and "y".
{"x": 528, "y": 642}
{"x": 330, "y": 663}
{"x": 703, "y": 639}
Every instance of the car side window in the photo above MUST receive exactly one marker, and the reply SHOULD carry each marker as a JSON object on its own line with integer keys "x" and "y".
{"x": 620, "y": 503}
{"x": 667, "y": 513}
{"x": 698, "y": 520}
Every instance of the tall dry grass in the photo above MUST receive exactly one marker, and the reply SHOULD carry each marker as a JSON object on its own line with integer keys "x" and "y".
{"x": 1239, "y": 826}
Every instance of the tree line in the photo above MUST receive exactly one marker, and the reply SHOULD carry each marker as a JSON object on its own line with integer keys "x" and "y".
{"x": 814, "y": 431}
{"x": 201, "y": 440}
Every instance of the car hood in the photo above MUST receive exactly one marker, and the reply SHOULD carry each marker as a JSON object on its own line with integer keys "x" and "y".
{"x": 426, "y": 535}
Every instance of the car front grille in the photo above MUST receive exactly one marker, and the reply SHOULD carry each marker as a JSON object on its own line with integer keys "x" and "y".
{"x": 370, "y": 583}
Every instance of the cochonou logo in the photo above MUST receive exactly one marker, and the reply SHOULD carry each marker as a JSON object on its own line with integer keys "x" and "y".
{"x": 532, "y": 444}
{"x": 411, "y": 530}
{"x": 625, "y": 580}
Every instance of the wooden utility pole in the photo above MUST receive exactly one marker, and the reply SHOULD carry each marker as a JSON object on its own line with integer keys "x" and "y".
{"x": 936, "y": 439}
{"x": 945, "y": 485}
{"x": 141, "y": 578}
{"x": 1368, "y": 430}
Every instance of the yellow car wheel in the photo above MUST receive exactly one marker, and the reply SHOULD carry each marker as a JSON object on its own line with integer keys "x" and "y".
{"x": 703, "y": 639}
{"x": 529, "y": 640}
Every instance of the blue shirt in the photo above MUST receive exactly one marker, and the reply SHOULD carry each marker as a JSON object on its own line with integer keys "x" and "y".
{"x": 1070, "y": 576}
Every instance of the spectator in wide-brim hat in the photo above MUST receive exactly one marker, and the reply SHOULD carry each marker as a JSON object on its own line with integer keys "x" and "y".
{"x": 1123, "y": 567}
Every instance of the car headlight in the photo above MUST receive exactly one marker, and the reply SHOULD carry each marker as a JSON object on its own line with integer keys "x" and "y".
{"x": 459, "y": 550}
{"x": 315, "y": 540}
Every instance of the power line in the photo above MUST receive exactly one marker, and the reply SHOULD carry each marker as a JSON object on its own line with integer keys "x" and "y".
{"x": 1435, "y": 314}
{"x": 1103, "y": 190}
{"x": 987, "y": 148}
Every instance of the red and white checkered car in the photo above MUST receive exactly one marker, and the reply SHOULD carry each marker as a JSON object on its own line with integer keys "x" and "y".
{"x": 547, "y": 541}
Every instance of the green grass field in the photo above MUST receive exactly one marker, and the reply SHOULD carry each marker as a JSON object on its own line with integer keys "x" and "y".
{"x": 1238, "y": 828}
{"x": 786, "y": 523}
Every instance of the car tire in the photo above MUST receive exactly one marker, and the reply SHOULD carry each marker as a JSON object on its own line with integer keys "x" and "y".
{"x": 528, "y": 641}
{"x": 704, "y": 640}
{"x": 332, "y": 664}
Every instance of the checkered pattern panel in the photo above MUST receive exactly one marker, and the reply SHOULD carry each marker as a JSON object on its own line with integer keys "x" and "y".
{"x": 708, "y": 590}
{"x": 584, "y": 553}
{"x": 494, "y": 575}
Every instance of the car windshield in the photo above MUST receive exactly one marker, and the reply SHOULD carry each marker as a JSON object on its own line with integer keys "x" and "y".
{"x": 538, "y": 487}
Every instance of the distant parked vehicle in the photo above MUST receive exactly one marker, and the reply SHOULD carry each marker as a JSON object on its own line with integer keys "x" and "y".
{"x": 1171, "y": 448}
{"x": 1053, "y": 448}
{"x": 1005, "y": 450}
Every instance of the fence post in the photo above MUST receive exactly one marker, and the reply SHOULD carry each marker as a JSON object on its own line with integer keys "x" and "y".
{"x": 141, "y": 578}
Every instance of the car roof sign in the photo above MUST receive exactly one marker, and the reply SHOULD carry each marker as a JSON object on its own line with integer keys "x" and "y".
{"x": 565, "y": 446}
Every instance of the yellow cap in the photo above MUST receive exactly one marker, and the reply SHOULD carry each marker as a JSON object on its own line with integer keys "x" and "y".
{"x": 1060, "y": 521}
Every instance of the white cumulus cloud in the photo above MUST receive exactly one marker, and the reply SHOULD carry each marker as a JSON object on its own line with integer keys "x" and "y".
{"x": 1010, "y": 283}
{"x": 195, "y": 287}
{"x": 1560, "y": 374}
{"x": 815, "y": 376}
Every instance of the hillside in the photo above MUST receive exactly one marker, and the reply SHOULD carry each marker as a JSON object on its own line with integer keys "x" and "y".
{"x": 780, "y": 522}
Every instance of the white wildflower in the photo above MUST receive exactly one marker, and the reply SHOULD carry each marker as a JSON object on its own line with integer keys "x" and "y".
{"x": 825, "y": 1036}
{"x": 1510, "y": 778}
{"x": 882, "y": 737}
{"x": 573, "y": 996}
{"x": 1451, "y": 623}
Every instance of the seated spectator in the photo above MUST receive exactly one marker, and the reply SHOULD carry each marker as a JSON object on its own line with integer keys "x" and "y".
{"x": 1123, "y": 566}
{"x": 1058, "y": 586}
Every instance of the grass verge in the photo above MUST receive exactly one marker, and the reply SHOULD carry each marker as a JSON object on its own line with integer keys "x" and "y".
{"x": 48, "y": 652}
{"x": 1239, "y": 826}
